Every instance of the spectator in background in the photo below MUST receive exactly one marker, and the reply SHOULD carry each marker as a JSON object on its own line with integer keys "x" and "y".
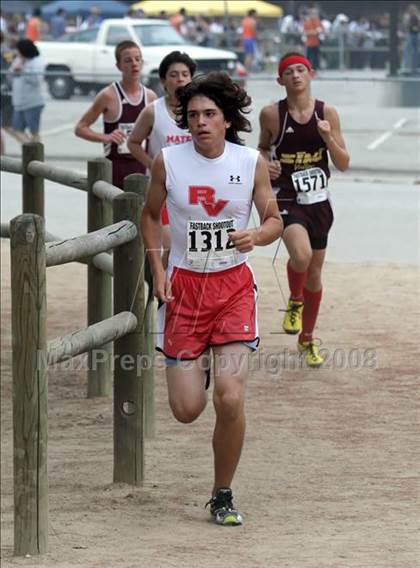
{"x": 3, "y": 23}
{"x": 216, "y": 31}
{"x": 94, "y": 19}
{"x": 411, "y": 25}
{"x": 58, "y": 24}
{"x": 179, "y": 20}
{"x": 360, "y": 37}
{"x": 34, "y": 25}
{"x": 6, "y": 107}
{"x": 133, "y": 13}
{"x": 312, "y": 30}
{"x": 249, "y": 37}
{"x": 28, "y": 94}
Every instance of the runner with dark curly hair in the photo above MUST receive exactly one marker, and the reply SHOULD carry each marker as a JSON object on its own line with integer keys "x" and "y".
{"x": 229, "y": 96}
{"x": 207, "y": 295}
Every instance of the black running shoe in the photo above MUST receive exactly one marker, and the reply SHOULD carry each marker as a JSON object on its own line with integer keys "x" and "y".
{"x": 222, "y": 509}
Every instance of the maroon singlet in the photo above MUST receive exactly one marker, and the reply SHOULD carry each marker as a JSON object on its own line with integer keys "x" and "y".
{"x": 123, "y": 163}
{"x": 298, "y": 147}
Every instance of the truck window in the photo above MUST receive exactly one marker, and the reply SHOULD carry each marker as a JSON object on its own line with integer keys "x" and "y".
{"x": 158, "y": 34}
{"x": 116, "y": 34}
{"x": 85, "y": 36}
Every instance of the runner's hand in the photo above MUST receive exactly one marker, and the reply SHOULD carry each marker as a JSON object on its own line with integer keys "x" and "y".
{"x": 162, "y": 289}
{"x": 243, "y": 240}
{"x": 274, "y": 168}
{"x": 324, "y": 129}
{"x": 116, "y": 136}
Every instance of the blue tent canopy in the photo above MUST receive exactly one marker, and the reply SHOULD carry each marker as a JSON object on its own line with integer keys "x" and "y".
{"x": 17, "y": 7}
{"x": 107, "y": 8}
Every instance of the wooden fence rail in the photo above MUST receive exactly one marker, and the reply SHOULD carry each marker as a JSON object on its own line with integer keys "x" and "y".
{"x": 131, "y": 329}
{"x": 105, "y": 190}
{"x": 103, "y": 260}
{"x": 92, "y": 337}
{"x": 11, "y": 165}
{"x": 69, "y": 178}
{"x": 70, "y": 250}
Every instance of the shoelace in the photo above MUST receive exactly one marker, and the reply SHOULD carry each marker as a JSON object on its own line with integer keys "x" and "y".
{"x": 294, "y": 310}
{"x": 220, "y": 503}
{"x": 312, "y": 352}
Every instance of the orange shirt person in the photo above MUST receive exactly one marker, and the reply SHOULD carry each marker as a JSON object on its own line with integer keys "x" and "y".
{"x": 312, "y": 29}
{"x": 249, "y": 37}
{"x": 33, "y": 27}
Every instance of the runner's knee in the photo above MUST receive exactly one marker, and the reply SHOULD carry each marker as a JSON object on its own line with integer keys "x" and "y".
{"x": 186, "y": 411}
{"x": 228, "y": 404}
{"x": 301, "y": 259}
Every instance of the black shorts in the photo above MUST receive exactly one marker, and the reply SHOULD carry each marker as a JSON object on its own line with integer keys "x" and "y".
{"x": 317, "y": 220}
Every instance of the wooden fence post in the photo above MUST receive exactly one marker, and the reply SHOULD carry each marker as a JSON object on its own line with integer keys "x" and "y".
{"x": 128, "y": 384}
{"x": 27, "y": 245}
{"x": 137, "y": 183}
{"x": 99, "y": 284}
{"x": 32, "y": 186}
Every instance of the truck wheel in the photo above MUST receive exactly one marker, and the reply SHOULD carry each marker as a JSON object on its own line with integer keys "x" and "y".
{"x": 61, "y": 86}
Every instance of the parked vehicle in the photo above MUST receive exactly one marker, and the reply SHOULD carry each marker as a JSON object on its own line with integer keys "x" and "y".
{"x": 85, "y": 58}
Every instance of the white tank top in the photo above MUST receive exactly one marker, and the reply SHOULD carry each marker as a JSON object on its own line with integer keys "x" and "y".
{"x": 165, "y": 131}
{"x": 206, "y": 200}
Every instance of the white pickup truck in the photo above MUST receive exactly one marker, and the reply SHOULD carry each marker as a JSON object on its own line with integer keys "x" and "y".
{"x": 85, "y": 59}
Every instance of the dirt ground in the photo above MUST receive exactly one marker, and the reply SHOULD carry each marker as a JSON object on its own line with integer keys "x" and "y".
{"x": 329, "y": 475}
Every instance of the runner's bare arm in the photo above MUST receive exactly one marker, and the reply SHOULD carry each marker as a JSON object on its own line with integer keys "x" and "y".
{"x": 151, "y": 227}
{"x": 142, "y": 128}
{"x": 265, "y": 201}
{"x": 83, "y": 127}
{"x": 330, "y": 131}
{"x": 151, "y": 96}
{"x": 268, "y": 120}
{"x": 266, "y": 134}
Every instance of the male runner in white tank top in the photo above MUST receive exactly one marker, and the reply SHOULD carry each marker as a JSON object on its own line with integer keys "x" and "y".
{"x": 207, "y": 294}
{"x": 156, "y": 123}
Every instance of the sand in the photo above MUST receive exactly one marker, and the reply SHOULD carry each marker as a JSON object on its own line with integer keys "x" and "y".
{"x": 329, "y": 474}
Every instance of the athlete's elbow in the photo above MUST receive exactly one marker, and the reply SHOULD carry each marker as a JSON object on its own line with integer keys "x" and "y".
{"x": 344, "y": 164}
{"x": 78, "y": 130}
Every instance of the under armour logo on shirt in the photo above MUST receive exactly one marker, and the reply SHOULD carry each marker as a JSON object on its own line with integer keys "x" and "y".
{"x": 234, "y": 179}
{"x": 290, "y": 130}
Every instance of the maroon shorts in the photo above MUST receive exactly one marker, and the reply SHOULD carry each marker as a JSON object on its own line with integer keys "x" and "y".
{"x": 124, "y": 167}
{"x": 316, "y": 218}
{"x": 208, "y": 309}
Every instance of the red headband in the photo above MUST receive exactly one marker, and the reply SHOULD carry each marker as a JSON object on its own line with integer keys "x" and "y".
{"x": 292, "y": 60}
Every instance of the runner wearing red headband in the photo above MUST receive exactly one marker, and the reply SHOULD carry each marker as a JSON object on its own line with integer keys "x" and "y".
{"x": 297, "y": 135}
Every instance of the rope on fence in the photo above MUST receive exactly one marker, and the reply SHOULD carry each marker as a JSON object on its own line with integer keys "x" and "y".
{"x": 69, "y": 250}
{"x": 92, "y": 337}
{"x": 105, "y": 190}
{"x": 59, "y": 175}
{"x": 12, "y": 165}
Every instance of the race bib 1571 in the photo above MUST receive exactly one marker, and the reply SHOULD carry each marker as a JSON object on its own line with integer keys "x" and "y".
{"x": 310, "y": 186}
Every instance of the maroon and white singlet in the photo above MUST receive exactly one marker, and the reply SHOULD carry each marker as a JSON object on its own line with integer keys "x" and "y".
{"x": 123, "y": 163}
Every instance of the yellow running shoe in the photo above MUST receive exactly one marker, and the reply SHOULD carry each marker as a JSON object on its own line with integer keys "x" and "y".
{"x": 311, "y": 353}
{"x": 292, "y": 322}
